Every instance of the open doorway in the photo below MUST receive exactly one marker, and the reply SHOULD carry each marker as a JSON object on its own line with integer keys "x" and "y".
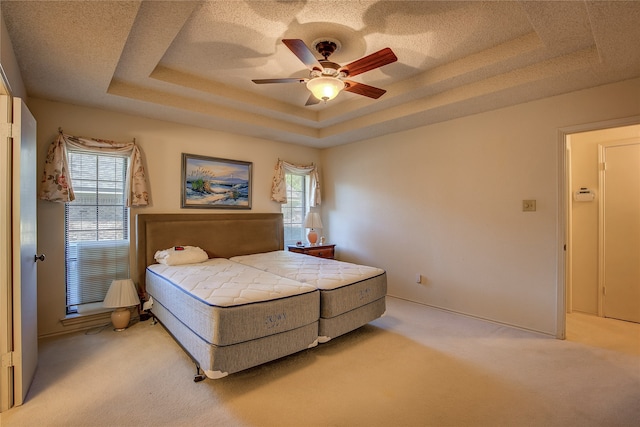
{"x": 588, "y": 310}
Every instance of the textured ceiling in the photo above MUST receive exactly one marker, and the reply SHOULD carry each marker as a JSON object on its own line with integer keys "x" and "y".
{"x": 193, "y": 62}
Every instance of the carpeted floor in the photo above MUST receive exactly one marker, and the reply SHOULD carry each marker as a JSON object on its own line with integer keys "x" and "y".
{"x": 416, "y": 366}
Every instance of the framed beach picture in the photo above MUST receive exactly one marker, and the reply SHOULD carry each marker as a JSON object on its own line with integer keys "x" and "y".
{"x": 210, "y": 182}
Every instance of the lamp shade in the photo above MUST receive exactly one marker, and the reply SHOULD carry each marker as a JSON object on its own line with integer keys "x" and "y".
{"x": 325, "y": 88}
{"x": 312, "y": 220}
{"x": 122, "y": 293}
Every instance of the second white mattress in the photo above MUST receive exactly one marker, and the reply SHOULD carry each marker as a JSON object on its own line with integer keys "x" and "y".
{"x": 324, "y": 274}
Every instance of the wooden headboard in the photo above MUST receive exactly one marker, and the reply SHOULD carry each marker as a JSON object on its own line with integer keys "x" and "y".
{"x": 220, "y": 235}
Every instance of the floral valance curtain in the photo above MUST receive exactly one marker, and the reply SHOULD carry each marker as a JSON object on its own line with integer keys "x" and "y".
{"x": 279, "y": 186}
{"x": 56, "y": 183}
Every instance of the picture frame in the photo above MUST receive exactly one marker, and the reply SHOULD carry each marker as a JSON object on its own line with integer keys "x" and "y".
{"x": 212, "y": 182}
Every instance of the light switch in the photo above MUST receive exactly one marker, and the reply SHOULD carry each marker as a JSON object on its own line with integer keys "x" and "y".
{"x": 528, "y": 206}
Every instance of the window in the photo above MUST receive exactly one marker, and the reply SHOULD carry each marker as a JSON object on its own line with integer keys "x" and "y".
{"x": 295, "y": 209}
{"x": 96, "y": 227}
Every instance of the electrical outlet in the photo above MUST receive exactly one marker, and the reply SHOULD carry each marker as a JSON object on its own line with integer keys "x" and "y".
{"x": 528, "y": 206}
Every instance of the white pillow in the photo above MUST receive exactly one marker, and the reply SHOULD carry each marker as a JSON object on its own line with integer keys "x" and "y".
{"x": 181, "y": 255}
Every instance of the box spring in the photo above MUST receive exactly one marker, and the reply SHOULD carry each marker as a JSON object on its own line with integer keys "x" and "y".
{"x": 346, "y": 322}
{"x": 220, "y": 361}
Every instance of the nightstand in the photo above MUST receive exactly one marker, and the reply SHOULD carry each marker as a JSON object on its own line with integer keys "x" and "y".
{"x": 320, "y": 251}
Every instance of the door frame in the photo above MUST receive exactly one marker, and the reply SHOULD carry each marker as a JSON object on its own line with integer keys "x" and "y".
{"x": 564, "y": 199}
{"x": 6, "y": 252}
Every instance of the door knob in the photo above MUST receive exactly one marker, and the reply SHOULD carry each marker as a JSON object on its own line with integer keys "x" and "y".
{"x": 40, "y": 257}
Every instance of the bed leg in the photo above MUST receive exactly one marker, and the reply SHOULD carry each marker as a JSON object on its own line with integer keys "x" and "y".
{"x": 198, "y": 377}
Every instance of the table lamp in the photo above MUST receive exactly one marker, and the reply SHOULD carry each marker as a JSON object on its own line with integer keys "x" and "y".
{"x": 121, "y": 295}
{"x": 312, "y": 221}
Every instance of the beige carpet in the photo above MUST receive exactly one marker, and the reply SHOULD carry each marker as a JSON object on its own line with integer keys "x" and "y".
{"x": 601, "y": 332}
{"x": 416, "y": 366}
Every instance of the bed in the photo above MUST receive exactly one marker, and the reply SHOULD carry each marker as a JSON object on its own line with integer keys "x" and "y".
{"x": 236, "y": 310}
{"x": 231, "y": 317}
{"x": 351, "y": 295}
{"x": 224, "y": 334}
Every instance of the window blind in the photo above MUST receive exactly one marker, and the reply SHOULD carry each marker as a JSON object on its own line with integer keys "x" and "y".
{"x": 295, "y": 209}
{"x": 96, "y": 227}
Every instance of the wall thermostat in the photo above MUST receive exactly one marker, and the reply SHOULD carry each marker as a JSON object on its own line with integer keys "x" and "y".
{"x": 584, "y": 195}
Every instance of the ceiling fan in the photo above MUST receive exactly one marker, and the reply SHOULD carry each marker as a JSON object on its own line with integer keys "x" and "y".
{"x": 326, "y": 79}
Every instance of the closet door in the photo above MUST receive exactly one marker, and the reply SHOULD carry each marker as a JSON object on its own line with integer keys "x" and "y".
{"x": 25, "y": 274}
{"x": 18, "y": 289}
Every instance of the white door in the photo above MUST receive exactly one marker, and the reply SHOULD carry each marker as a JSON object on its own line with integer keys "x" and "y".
{"x": 25, "y": 284}
{"x": 621, "y": 231}
{"x": 20, "y": 352}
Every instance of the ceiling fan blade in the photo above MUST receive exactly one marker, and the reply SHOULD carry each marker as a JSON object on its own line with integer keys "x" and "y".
{"x": 303, "y": 53}
{"x": 363, "y": 89}
{"x": 287, "y": 80}
{"x": 370, "y": 62}
{"x": 312, "y": 101}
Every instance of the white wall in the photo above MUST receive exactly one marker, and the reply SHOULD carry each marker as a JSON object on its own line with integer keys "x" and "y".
{"x": 584, "y": 244}
{"x": 162, "y": 144}
{"x": 445, "y": 201}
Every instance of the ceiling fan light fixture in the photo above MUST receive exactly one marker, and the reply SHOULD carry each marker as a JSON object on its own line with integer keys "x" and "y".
{"x": 327, "y": 78}
{"x": 325, "y": 88}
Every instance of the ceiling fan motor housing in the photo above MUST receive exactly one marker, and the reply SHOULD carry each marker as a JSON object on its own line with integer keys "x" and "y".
{"x": 329, "y": 69}
{"x": 326, "y": 46}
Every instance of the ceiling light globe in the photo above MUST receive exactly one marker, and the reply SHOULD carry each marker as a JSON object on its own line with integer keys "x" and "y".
{"x": 325, "y": 88}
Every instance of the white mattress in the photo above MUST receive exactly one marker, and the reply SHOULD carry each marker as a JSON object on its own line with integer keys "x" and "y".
{"x": 351, "y": 295}
{"x": 226, "y": 303}
{"x": 220, "y": 282}
{"x": 324, "y": 274}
